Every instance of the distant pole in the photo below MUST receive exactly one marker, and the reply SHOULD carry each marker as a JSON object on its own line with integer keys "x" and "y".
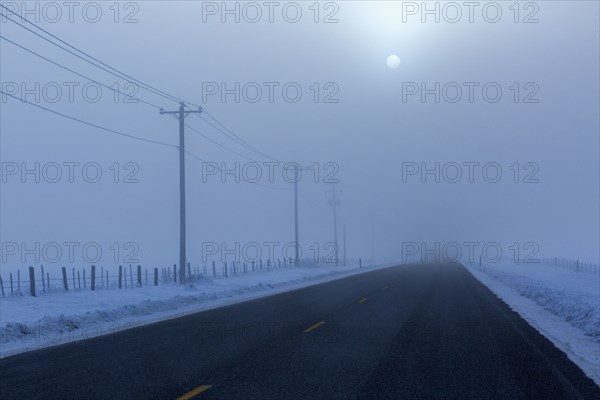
{"x": 334, "y": 202}
{"x": 372, "y": 240}
{"x": 344, "y": 242}
{"x": 181, "y": 114}
{"x": 296, "y": 216}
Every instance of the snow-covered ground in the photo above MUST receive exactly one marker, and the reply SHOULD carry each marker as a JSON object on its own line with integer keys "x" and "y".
{"x": 28, "y": 323}
{"x": 562, "y": 304}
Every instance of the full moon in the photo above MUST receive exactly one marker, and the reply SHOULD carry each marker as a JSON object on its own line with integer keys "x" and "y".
{"x": 393, "y": 61}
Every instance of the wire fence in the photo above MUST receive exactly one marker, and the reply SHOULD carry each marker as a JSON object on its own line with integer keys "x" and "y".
{"x": 574, "y": 265}
{"x": 35, "y": 281}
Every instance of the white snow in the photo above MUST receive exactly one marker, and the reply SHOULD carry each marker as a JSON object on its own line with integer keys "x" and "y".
{"x": 562, "y": 304}
{"x": 28, "y": 323}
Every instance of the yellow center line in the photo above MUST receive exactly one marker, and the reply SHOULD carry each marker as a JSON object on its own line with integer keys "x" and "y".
{"x": 194, "y": 392}
{"x": 315, "y": 326}
{"x": 363, "y": 300}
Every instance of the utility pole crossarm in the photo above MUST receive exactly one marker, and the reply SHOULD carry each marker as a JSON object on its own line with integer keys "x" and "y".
{"x": 185, "y": 113}
{"x": 181, "y": 114}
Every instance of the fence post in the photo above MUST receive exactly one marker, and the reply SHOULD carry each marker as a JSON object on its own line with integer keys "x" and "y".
{"x": 175, "y": 273}
{"x": 155, "y": 276}
{"x": 120, "y": 276}
{"x": 139, "y": 275}
{"x": 214, "y": 270}
{"x": 11, "y": 284}
{"x": 64, "y": 274}
{"x": 252, "y": 265}
{"x": 146, "y": 272}
{"x": 131, "y": 275}
{"x": 225, "y": 270}
{"x": 32, "y": 280}
{"x": 48, "y": 279}
{"x": 84, "y": 283}
{"x": 19, "y": 280}
{"x": 79, "y": 279}
{"x": 189, "y": 271}
{"x": 359, "y": 262}
{"x": 2, "y": 286}
{"x": 43, "y": 283}
{"x": 93, "y": 277}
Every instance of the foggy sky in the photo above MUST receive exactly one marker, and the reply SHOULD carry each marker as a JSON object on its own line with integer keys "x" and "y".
{"x": 369, "y": 133}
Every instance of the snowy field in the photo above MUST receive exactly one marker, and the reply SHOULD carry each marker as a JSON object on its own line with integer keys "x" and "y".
{"x": 562, "y": 304}
{"x": 28, "y": 323}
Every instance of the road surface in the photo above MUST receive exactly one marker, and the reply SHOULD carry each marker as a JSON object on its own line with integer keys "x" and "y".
{"x": 405, "y": 332}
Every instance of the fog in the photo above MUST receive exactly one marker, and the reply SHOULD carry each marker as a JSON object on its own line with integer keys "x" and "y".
{"x": 357, "y": 121}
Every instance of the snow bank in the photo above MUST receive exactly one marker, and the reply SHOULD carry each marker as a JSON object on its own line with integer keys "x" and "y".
{"x": 562, "y": 304}
{"x": 28, "y": 323}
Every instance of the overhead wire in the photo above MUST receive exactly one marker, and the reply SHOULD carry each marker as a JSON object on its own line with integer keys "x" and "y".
{"x": 89, "y": 123}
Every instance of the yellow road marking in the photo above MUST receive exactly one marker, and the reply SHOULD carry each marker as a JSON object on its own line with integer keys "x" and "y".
{"x": 194, "y": 392}
{"x": 315, "y": 326}
{"x": 363, "y": 300}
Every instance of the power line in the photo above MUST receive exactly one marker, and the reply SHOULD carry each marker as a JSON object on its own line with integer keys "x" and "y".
{"x": 121, "y": 75}
{"x": 225, "y": 131}
{"x": 147, "y": 87}
{"x": 242, "y": 178}
{"x": 218, "y": 144}
{"x": 123, "y": 94}
{"x": 90, "y": 123}
{"x": 230, "y": 134}
{"x": 79, "y": 74}
{"x": 128, "y": 135}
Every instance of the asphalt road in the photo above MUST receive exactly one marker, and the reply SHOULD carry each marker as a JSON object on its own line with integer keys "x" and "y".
{"x": 406, "y": 332}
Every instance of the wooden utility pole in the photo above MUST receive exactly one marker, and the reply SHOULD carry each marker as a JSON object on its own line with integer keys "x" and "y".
{"x": 334, "y": 202}
{"x": 344, "y": 244}
{"x": 297, "y": 256}
{"x": 181, "y": 114}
